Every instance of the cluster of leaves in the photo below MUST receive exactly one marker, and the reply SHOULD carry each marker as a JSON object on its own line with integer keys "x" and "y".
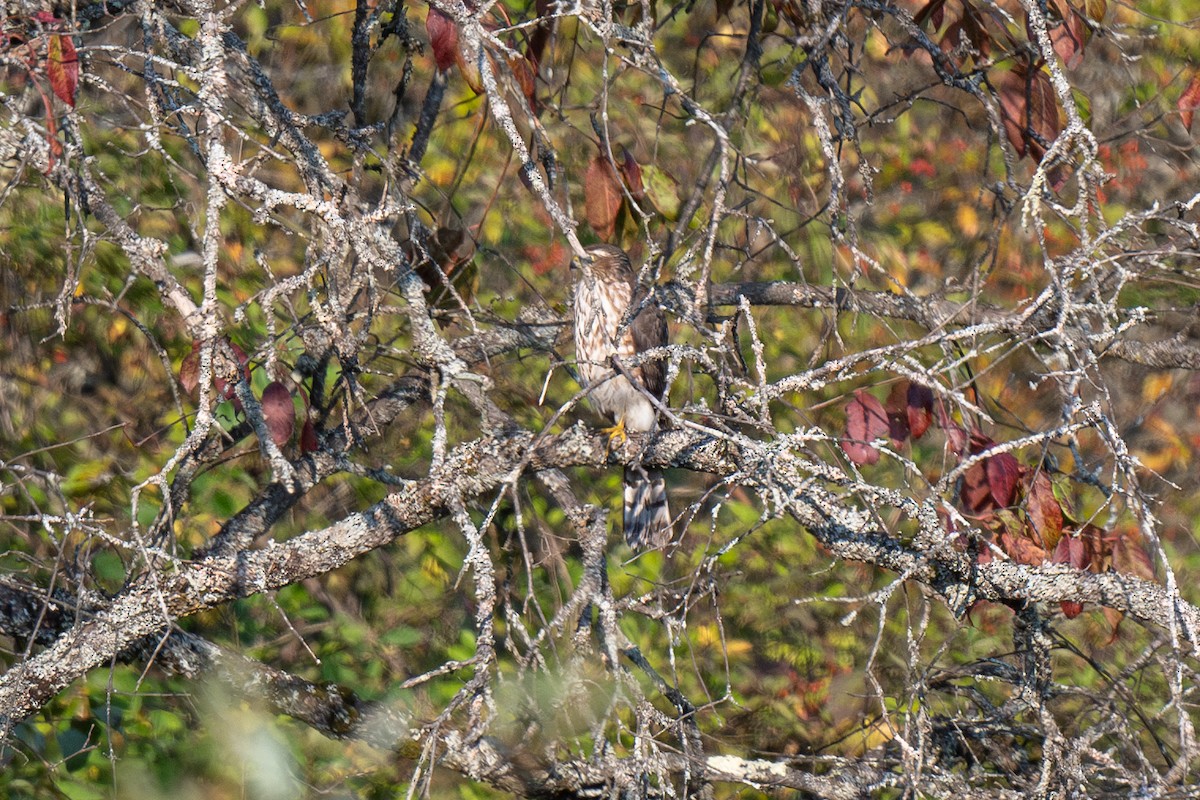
{"x": 277, "y": 401}
{"x": 753, "y": 630}
{"x": 979, "y": 36}
{"x": 42, "y": 44}
{"x": 448, "y": 51}
{"x": 1026, "y": 511}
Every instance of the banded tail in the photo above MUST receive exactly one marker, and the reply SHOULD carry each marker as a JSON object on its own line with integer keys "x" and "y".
{"x": 647, "y": 517}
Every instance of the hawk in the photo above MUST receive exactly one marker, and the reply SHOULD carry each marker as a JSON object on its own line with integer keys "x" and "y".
{"x": 606, "y": 290}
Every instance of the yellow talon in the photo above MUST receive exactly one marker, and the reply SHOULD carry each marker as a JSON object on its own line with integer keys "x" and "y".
{"x": 615, "y": 433}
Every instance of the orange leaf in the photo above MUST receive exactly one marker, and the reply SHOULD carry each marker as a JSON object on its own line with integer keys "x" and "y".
{"x": 523, "y": 73}
{"x": 1022, "y": 549}
{"x": 1114, "y": 621}
{"x": 470, "y": 71}
{"x": 1189, "y": 101}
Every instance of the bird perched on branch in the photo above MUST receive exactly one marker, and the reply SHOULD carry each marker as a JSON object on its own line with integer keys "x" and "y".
{"x": 606, "y": 292}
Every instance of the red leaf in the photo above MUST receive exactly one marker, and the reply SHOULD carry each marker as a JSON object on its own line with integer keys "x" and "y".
{"x": 443, "y": 38}
{"x": 631, "y": 173}
{"x": 957, "y": 438}
{"x": 308, "y": 437}
{"x": 1029, "y": 110}
{"x": 1067, "y": 32}
{"x": 976, "y": 494}
{"x": 1189, "y": 101}
{"x": 866, "y": 421}
{"x": 62, "y": 65}
{"x": 602, "y": 196}
{"x": 1003, "y": 471}
{"x": 1071, "y": 550}
{"x": 243, "y": 360}
{"x": 1130, "y": 557}
{"x": 969, "y": 29}
{"x": 980, "y": 442}
{"x": 279, "y": 412}
{"x": 1097, "y": 547}
{"x": 1071, "y": 609}
{"x": 976, "y": 31}
{"x": 1044, "y": 512}
{"x": 920, "y": 409}
{"x": 227, "y": 373}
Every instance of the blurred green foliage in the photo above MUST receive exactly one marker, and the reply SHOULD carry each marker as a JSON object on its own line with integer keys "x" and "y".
{"x": 777, "y": 645}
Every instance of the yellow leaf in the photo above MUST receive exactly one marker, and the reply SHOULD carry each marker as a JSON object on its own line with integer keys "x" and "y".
{"x": 706, "y": 635}
{"x": 1165, "y": 449}
{"x": 1155, "y": 386}
{"x": 738, "y": 647}
{"x": 431, "y": 569}
{"x": 967, "y": 220}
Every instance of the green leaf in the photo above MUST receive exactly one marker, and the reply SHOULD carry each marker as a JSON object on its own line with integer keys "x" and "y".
{"x": 660, "y": 188}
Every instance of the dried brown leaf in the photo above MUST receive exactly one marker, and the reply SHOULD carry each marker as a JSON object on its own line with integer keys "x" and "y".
{"x": 1044, "y": 512}
{"x": 602, "y": 197}
{"x": 1022, "y": 549}
{"x": 279, "y": 412}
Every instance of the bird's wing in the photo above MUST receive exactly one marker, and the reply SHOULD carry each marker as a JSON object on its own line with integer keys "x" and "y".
{"x": 649, "y": 329}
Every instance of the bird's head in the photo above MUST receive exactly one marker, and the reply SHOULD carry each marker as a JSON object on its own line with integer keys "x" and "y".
{"x": 603, "y": 261}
